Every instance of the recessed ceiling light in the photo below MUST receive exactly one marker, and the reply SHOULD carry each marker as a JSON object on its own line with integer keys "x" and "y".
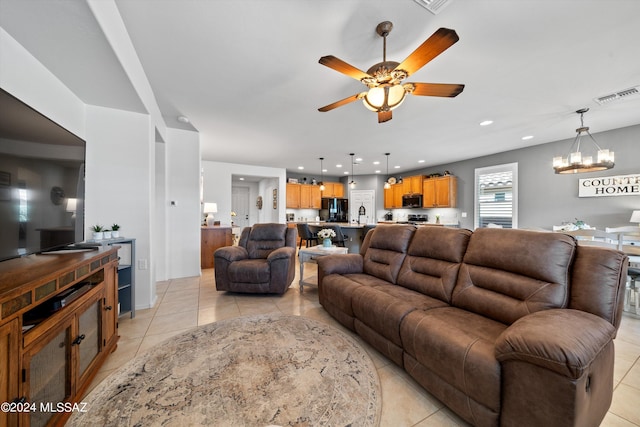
{"x": 377, "y": 171}
{"x": 346, "y": 172}
{"x": 376, "y": 162}
{"x": 396, "y": 167}
{"x": 300, "y": 167}
{"x": 420, "y": 161}
{"x": 324, "y": 170}
{"x": 338, "y": 165}
{"x": 241, "y": 179}
{"x": 183, "y": 119}
{"x": 528, "y": 137}
{"x": 486, "y": 123}
{"x": 358, "y": 159}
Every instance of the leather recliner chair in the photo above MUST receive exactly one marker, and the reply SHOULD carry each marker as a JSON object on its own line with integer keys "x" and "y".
{"x": 263, "y": 262}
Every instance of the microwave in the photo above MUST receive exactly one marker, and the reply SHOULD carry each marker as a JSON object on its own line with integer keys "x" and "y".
{"x": 412, "y": 201}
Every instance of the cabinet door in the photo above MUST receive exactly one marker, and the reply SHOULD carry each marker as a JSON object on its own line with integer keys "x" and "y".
{"x": 398, "y": 191}
{"x": 9, "y": 369}
{"x": 88, "y": 338}
{"x": 446, "y": 191}
{"x": 416, "y": 184}
{"x": 110, "y": 305}
{"x": 429, "y": 193}
{"x": 293, "y": 195}
{"x": 315, "y": 197}
{"x": 305, "y": 196}
{"x": 388, "y": 198}
{"x": 47, "y": 364}
{"x": 338, "y": 190}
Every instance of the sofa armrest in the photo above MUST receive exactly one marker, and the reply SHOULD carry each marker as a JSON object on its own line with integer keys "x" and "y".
{"x": 340, "y": 264}
{"x": 562, "y": 340}
{"x": 284, "y": 252}
{"x": 231, "y": 253}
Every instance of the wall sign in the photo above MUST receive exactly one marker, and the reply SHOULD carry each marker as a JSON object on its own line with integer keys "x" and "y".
{"x": 621, "y": 185}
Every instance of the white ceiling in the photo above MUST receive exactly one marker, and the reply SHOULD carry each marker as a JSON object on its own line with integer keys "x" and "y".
{"x": 246, "y": 73}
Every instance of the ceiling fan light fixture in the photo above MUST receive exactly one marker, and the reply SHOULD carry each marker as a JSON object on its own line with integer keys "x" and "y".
{"x": 384, "y": 97}
{"x": 578, "y": 161}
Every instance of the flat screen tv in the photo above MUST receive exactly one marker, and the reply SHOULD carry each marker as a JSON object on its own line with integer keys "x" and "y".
{"x": 41, "y": 182}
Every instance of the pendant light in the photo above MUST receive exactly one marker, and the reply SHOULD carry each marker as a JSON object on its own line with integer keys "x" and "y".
{"x": 576, "y": 161}
{"x": 321, "y": 175}
{"x": 352, "y": 184}
{"x": 386, "y": 183}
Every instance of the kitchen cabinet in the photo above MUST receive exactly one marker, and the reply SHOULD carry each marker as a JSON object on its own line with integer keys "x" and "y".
{"x": 393, "y": 196}
{"x": 10, "y": 367}
{"x": 440, "y": 192}
{"x": 293, "y": 195}
{"x": 333, "y": 189}
{"x": 412, "y": 184}
{"x": 303, "y": 196}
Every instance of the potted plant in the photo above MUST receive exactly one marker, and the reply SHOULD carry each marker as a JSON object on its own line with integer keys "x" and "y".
{"x": 106, "y": 234}
{"x": 115, "y": 231}
{"x": 98, "y": 232}
{"x": 325, "y": 235}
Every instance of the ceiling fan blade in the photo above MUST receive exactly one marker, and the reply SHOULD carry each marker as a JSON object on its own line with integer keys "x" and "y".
{"x": 436, "y": 89}
{"x": 342, "y": 102}
{"x": 342, "y": 67}
{"x": 384, "y": 116}
{"x": 439, "y": 41}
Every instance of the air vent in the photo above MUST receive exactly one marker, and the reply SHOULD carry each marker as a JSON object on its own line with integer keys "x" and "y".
{"x": 632, "y": 91}
{"x": 433, "y": 6}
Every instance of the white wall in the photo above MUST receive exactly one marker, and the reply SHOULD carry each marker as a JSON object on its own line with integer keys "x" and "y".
{"x": 217, "y": 186}
{"x": 120, "y": 185}
{"x": 183, "y": 218}
{"x": 160, "y": 240}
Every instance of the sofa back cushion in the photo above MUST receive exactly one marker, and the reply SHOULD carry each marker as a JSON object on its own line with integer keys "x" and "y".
{"x": 265, "y": 238}
{"x": 507, "y": 273}
{"x": 433, "y": 260}
{"x": 386, "y": 251}
{"x": 598, "y": 282}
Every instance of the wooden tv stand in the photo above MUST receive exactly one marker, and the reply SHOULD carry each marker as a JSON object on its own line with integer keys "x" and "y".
{"x": 58, "y": 324}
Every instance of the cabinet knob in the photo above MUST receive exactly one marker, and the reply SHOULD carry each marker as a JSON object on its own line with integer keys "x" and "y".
{"x": 109, "y": 307}
{"x": 78, "y": 340}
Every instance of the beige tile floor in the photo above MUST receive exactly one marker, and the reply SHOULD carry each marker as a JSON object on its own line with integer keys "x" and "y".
{"x": 189, "y": 302}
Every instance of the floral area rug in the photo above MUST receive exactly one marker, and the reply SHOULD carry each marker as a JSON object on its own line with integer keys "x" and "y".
{"x": 249, "y": 371}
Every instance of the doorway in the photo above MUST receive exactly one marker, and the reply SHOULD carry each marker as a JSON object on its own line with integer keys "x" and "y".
{"x": 240, "y": 205}
{"x": 362, "y": 206}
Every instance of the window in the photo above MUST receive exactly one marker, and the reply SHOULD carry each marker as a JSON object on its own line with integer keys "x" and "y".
{"x": 496, "y": 196}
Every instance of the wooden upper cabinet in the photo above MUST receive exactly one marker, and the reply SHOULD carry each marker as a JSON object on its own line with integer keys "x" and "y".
{"x": 440, "y": 192}
{"x": 293, "y": 195}
{"x": 303, "y": 196}
{"x": 412, "y": 184}
{"x": 333, "y": 189}
{"x": 393, "y": 196}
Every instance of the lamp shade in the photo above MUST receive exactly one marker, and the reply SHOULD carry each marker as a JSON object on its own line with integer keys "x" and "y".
{"x": 379, "y": 97}
{"x": 72, "y": 204}
{"x": 635, "y": 217}
{"x": 210, "y": 207}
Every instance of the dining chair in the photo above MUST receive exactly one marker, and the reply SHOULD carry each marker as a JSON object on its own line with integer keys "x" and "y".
{"x": 305, "y": 233}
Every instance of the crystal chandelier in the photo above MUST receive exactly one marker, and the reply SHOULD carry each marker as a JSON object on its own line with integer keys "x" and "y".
{"x": 578, "y": 161}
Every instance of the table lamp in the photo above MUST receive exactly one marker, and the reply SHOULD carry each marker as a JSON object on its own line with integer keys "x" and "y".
{"x": 210, "y": 209}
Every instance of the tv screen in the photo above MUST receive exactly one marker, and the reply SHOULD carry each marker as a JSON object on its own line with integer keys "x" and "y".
{"x": 41, "y": 182}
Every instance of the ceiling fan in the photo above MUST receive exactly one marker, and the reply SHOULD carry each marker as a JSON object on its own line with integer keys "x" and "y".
{"x": 386, "y": 92}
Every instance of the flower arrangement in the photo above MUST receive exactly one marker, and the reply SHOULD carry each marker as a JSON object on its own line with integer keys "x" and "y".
{"x": 326, "y": 233}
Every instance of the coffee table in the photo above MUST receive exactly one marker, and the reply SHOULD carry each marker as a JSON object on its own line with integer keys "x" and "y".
{"x": 312, "y": 253}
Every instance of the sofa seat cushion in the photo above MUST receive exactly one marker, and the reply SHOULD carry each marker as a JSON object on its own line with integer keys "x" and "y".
{"x": 249, "y": 271}
{"x": 383, "y": 308}
{"x": 459, "y": 347}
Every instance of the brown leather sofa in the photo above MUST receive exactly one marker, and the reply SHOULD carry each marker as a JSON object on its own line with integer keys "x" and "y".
{"x": 263, "y": 262}
{"x": 505, "y": 327}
